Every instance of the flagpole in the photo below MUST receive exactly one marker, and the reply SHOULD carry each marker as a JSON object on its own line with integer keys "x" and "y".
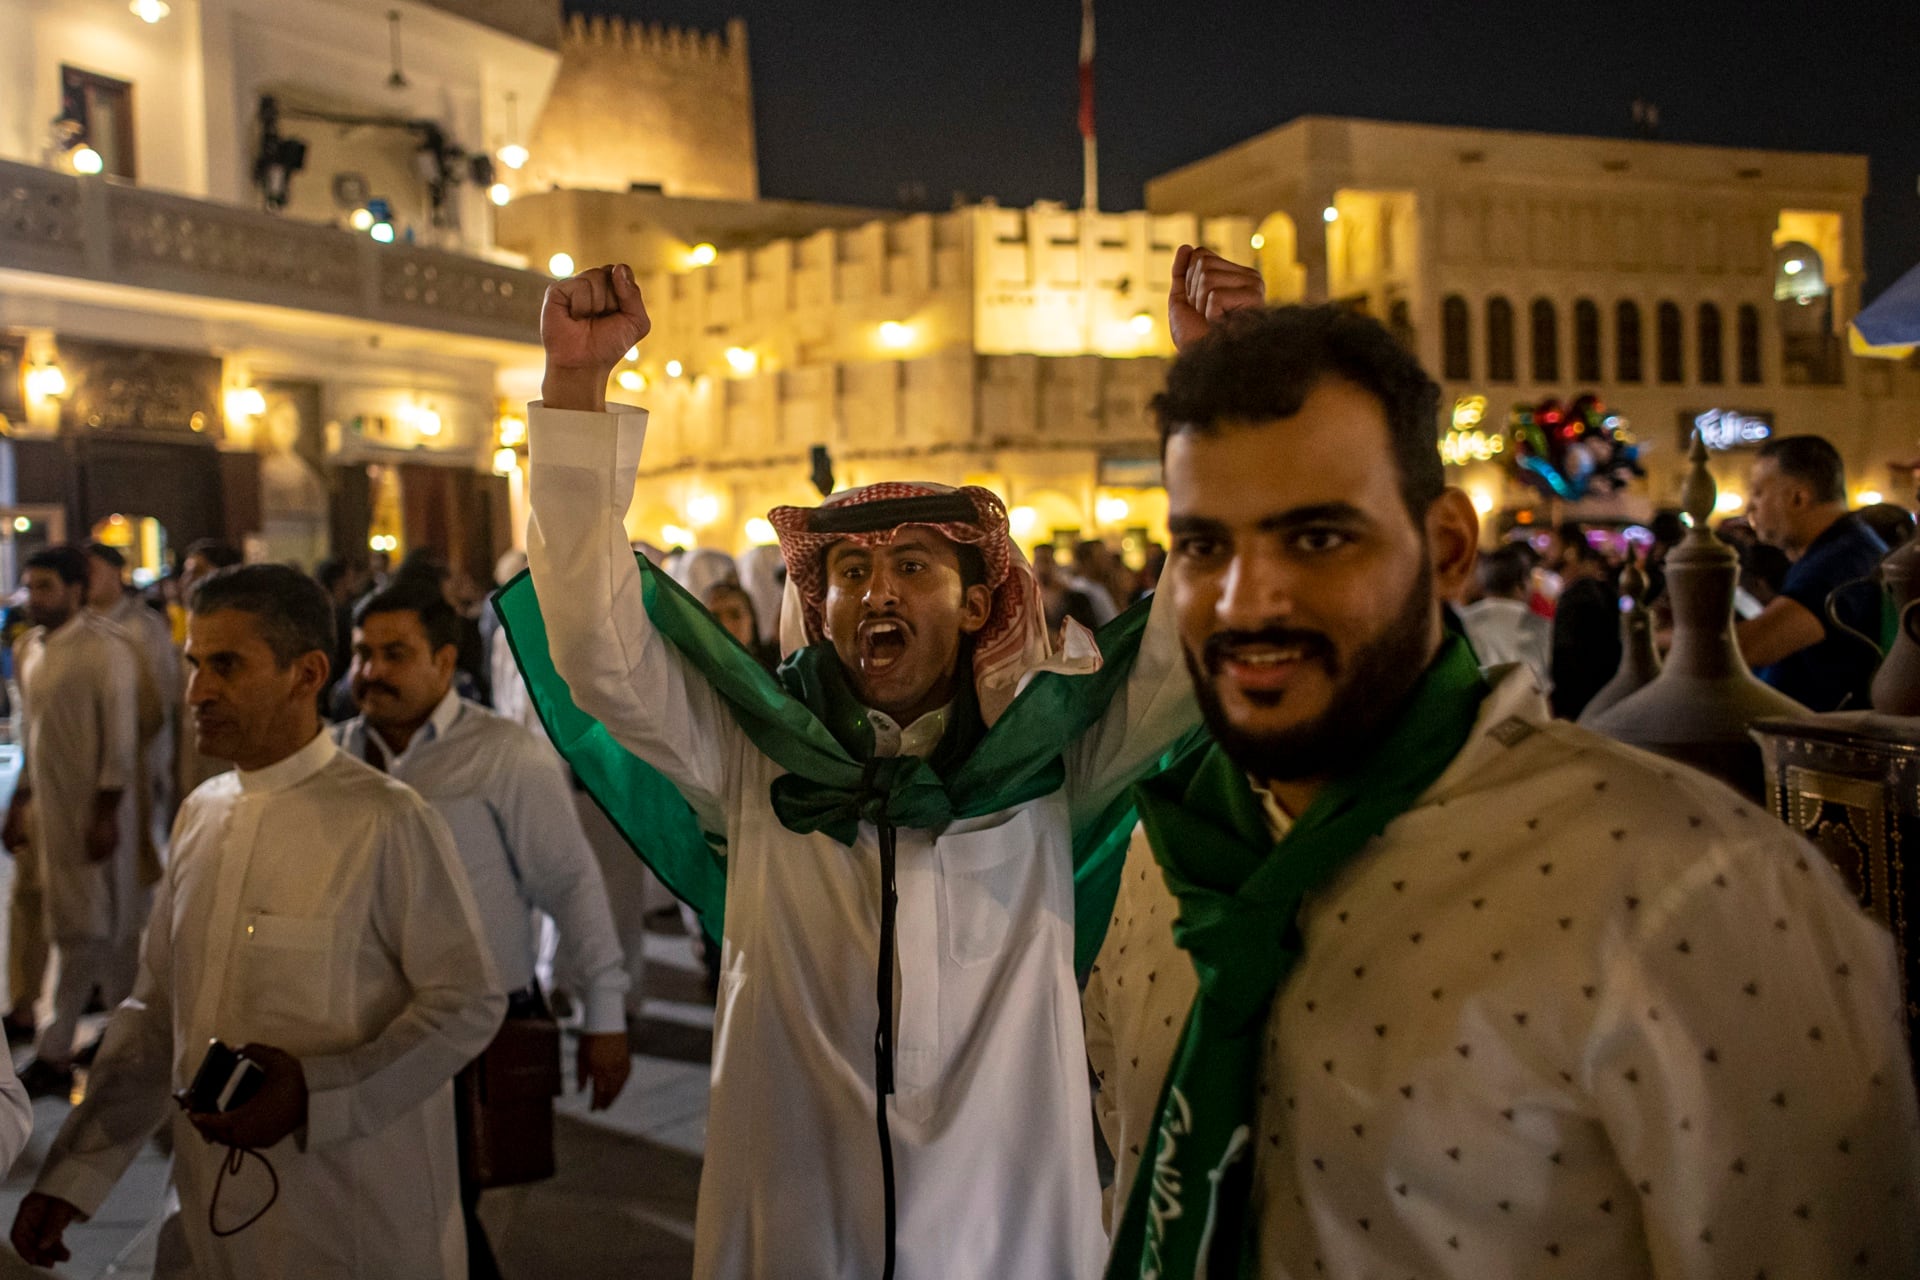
{"x": 1090, "y": 174}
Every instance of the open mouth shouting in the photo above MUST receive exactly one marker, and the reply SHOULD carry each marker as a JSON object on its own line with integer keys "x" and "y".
{"x": 883, "y": 642}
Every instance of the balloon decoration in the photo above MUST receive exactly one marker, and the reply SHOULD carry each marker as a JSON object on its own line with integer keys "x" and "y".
{"x": 1570, "y": 451}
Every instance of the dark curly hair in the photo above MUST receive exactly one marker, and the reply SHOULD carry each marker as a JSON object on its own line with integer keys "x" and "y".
{"x": 1262, "y": 363}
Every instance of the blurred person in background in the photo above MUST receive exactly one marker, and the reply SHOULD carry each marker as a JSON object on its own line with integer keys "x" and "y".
{"x": 1586, "y": 632}
{"x": 1797, "y": 501}
{"x": 1499, "y": 625}
{"x": 505, "y": 797}
{"x": 80, "y": 744}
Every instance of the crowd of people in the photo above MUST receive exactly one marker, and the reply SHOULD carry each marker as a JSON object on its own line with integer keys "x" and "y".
{"x": 1809, "y": 608}
{"x": 1275, "y": 867}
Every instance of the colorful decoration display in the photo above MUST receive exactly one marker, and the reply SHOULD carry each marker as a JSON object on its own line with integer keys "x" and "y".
{"x": 1570, "y": 451}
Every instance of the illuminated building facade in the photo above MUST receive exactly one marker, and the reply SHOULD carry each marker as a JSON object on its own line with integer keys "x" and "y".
{"x": 1677, "y": 284}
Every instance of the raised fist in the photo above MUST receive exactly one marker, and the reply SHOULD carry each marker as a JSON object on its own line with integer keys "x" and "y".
{"x": 587, "y": 325}
{"x": 1205, "y": 287}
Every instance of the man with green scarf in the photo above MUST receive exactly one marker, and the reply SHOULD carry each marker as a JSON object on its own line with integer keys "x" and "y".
{"x": 899, "y": 1076}
{"x": 1406, "y": 978}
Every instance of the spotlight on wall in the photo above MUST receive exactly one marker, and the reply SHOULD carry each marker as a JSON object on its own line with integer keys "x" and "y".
{"x": 1142, "y": 324}
{"x": 499, "y": 193}
{"x": 760, "y": 532}
{"x": 631, "y": 380}
{"x": 560, "y": 265}
{"x": 45, "y": 382}
{"x": 741, "y": 360}
{"x": 85, "y": 159}
{"x": 702, "y": 255}
{"x": 675, "y": 368}
{"x": 149, "y": 11}
{"x": 894, "y": 335}
{"x": 1330, "y": 214}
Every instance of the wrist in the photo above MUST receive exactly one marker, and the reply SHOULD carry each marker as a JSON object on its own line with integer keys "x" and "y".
{"x": 569, "y": 388}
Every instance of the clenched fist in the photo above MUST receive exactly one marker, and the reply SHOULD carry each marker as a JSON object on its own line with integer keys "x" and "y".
{"x": 587, "y": 324}
{"x": 1205, "y": 287}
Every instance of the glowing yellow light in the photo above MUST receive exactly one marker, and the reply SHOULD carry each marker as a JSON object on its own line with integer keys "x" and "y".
{"x": 506, "y": 461}
{"x": 895, "y": 335}
{"x": 760, "y": 532}
{"x": 1482, "y": 501}
{"x": 1794, "y": 266}
{"x": 702, "y": 255}
{"x": 244, "y": 403}
{"x": 21, "y": 524}
{"x": 633, "y": 352}
{"x": 741, "y": 360}
{"x": 427, "y": 422}
{"x": 1111, "y": 510}
{"x": 513, "y": 155}
{"x": 46, "y": 382}
{"x": 383, "y": 542}
{"x": 675, "y": 368}
{"x": 86, "y": 160}
{"x": 1728, "y": 503}
{"x": 673, "y": 535}
{"x": 1869, "y": 498}
{"x": 631, "y": 380}
{"x": 499, "y": 193}
{"x": 703, "y": 509}
{"x": 382, "y": 231}
{"x": 560, "y": 264}
{"x": 1022, "y": 520}
{"x": 360, "y": 219}
{"x": 1468, "y": 411}
{"x": 1259, "y": 241}
{"x": 149, "y": 11}
{"x": 1458, "y": 448}
{"x": 1142, "y": 323}
{"x": 1330, "y": 214}
{"x": 513, "y": 430}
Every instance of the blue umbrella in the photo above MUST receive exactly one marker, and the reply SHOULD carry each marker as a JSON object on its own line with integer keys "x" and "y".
{"x": 1893, "y": 319}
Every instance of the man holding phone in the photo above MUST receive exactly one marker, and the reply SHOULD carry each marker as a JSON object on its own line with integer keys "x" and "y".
{"x": 315, "y": 916}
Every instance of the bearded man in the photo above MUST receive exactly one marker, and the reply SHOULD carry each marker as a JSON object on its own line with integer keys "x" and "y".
{"x": 898, "y": 810}
{"x": 1407, "y": 977}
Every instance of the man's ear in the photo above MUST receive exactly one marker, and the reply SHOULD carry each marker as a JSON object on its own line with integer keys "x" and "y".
{"x": 1453, "y": 541}
{"x": 445, "y": 659}
{"x": 976, "y": 605}
{"x": 312, "y": 671}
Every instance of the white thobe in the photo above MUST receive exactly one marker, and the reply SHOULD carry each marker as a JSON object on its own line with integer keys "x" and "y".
{"x": 79, "y": 735}
{"x": 152, "y": 637}
{"x": 1579, "y": 1013}
{"x": 991, "y": 1118}
{"x": 507, "y": 801}
{"x": 318, "y": 907}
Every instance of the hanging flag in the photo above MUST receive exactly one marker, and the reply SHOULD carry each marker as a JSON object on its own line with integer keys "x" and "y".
{"x": 1086, "y": 69}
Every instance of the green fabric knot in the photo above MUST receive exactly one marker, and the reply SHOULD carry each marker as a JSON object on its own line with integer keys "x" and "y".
{"x": 902, "y": 791}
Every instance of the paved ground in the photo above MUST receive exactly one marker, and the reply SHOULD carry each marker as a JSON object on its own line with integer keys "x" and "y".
{"x": 620, "y": 1206}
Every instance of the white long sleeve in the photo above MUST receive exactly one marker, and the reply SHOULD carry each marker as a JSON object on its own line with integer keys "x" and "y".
{"x": 424, "y": 914}
{"x": 617, "y": 666}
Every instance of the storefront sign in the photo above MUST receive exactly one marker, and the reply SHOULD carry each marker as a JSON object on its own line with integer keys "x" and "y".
{"x": 114, "y": 388}
{"x": 1726, "y": 428}
{"x": 1130, "y": 473}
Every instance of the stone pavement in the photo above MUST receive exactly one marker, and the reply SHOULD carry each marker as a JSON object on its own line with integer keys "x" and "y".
{"x": 620, "y": 1206}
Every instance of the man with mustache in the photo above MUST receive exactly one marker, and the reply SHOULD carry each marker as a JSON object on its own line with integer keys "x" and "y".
{"x": 508, "y": 804}
{"x": 899, "y": 1086}
{"x": 1406, "y": 977}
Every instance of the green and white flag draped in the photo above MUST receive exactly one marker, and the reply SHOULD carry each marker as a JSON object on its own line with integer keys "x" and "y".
{"x": 807, "y": 722}
{"x": 1239, "y": 894}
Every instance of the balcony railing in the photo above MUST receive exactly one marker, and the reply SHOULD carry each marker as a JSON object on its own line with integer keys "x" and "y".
{"x": 93, "y": 229}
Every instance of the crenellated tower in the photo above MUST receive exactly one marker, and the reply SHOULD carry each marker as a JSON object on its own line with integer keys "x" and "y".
{"x": 650, "y": 105}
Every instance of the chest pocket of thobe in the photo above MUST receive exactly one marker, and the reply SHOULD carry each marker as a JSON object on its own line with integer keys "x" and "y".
{"x": 986, "y": 878}
{"x": 286, "y": 977}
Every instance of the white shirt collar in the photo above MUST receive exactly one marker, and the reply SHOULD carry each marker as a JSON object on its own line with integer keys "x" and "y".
{"x": 1279, "y": 821}
{"x": 917, "y": 739}
{"x": 445, "y": 712}
{"x": 293, "y": 770}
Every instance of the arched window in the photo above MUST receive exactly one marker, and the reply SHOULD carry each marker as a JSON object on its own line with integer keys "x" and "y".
{"x": 1673, "y": 360}
{"x": 1748, "y": 337}
{"x": 1400, "y": 322}
{"x": 1546, "y": 341}
{"x": 1626, "y": 342}
{"x": 1707, "y": 335}
{"x": 1500, "y": 364}
{"x": 1456, "y": 339}
{"x": 1586, "y": 341}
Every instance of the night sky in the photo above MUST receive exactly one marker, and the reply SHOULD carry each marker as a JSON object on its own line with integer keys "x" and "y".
{"x": 892, "y": 102}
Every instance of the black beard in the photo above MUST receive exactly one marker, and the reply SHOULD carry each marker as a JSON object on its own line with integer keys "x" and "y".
{"x": 1369, "y": 691}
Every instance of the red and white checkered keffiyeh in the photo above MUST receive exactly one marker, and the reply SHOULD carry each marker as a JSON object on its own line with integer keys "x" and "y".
{"x": 1014, "y": 642}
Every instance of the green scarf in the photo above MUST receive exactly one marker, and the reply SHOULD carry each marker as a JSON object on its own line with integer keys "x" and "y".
{"x": 808, "y": 723}
{"x": 1240, "y": 894}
